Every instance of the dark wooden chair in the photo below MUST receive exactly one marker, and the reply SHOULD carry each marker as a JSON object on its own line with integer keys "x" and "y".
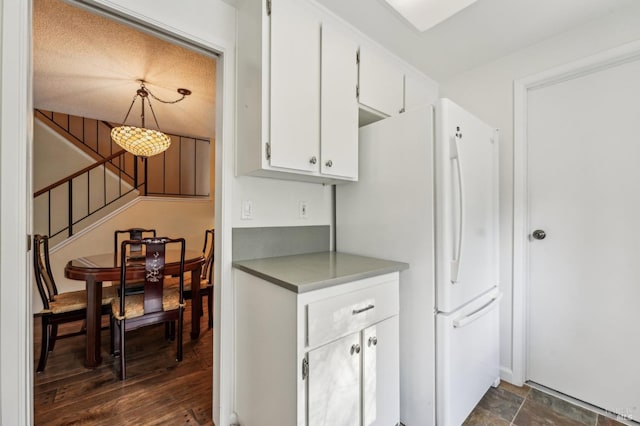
{"x": 156, "y": 304}
{"x": 135, "y": 252}
{"x": 206, "y": 276}
{"x": 58, "y": 308}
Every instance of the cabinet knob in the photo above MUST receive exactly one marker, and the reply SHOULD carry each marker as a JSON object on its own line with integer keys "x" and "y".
{"x": 355, "y": 348}
{"x": 373, "y": 340}
{"x": 313, "y": 160}
{"x": 329, "y": 163}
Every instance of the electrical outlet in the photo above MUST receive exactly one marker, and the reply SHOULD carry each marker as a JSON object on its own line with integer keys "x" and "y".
{"x": 247, "y": 210}
{"x": 303, "y": 209}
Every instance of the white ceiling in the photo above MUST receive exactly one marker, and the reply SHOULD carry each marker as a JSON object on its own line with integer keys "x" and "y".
{"x": 88, "y": 65}
{"x": 481, "y": 33}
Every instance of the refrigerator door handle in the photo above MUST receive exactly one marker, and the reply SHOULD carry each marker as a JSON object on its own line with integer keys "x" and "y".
{"x": 455, "y": 155}
{"x": 478, "y": 313}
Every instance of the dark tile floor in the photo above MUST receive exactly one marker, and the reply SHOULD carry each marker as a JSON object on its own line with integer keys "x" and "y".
{"x": 525, "y": 406}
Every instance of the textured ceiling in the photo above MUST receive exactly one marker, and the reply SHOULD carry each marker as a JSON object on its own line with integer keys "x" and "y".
{"x": 481, "y": 33}
{"x": 88, "y": 65}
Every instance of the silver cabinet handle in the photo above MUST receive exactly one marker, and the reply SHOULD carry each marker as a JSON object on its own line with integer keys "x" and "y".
{"x": 313, "y": 160}
{"x": 373, "y": 340}
{"x": 359, "y": 311}
{"x": 329, "y": 163}
{"x": 355, "y": 348}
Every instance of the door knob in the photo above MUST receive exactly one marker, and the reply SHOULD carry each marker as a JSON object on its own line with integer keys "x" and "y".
{"x": 539, "y": 234}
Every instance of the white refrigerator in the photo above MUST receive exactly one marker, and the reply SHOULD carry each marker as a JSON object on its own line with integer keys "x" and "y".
{"x": 428, "y": 195}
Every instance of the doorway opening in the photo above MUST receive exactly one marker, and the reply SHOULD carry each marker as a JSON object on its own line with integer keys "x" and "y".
{"x": 102, "y": 73}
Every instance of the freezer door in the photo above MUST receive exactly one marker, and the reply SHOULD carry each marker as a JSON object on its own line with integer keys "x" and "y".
{"x": 466, "y": 206}
{"x": 467, "y": 357}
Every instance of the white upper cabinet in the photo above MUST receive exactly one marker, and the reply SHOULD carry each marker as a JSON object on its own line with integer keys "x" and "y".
{"x": 295, "y": 86}
{"x": 290, "y": 65}
{"x": 381, "y": 83}
{"x": 339, "y": 104}
{"x": 298, "y": 79}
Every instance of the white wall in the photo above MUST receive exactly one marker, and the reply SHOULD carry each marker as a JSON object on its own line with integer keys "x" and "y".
{"x": 488, "y": 92}
{"x": 275, "y": 202}
{"x": 49, "y": 148}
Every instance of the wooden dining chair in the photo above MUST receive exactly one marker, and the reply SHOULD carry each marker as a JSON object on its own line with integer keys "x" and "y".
{"x": 206, "y": 277}
{"x": 58, "y": 308}
{"x": 135, "y": 252}
{"x": 131, "y": 234}
{"x": 156, "y": 304}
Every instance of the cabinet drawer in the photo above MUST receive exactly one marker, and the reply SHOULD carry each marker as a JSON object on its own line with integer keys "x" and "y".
{"x": 337, "y": 316}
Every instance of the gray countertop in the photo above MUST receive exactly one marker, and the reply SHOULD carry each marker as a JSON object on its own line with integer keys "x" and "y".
{"x": 307, "y": 272}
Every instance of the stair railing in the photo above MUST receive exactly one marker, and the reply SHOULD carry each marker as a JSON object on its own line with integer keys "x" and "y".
{"x": 99, "y": 173}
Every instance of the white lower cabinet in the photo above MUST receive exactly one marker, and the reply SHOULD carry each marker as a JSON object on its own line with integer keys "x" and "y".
{"x": 334, "y": 383}
{"x": 354, "y": 380}
{"x": 380, "y": 383}
{"x": 327, "y": 357}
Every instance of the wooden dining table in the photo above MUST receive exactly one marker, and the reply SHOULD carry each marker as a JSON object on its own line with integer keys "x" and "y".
{"x": 96, "y": 269}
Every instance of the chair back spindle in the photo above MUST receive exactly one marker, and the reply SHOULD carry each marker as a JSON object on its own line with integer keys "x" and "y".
{"x": 154, "y": 264}
{"x": 208, "y": 253}
{"x": 135, "y": 250}
{"x": 42, "y": 268}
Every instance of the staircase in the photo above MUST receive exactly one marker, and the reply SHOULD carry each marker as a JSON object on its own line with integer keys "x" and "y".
{"x": 112, "y": 178}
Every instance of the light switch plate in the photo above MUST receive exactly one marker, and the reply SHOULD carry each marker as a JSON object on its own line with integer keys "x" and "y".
{"x": 247, "y": 210}
{"x": 303, "y": 209}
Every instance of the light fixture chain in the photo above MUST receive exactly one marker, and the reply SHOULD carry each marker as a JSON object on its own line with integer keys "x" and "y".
{"x": 133, "y": 101}
{"x": 153, "y": 113}
{"x": 161, "y": 100}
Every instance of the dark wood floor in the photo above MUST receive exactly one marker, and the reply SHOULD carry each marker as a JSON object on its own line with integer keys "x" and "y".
{"x": 158, "y": 390}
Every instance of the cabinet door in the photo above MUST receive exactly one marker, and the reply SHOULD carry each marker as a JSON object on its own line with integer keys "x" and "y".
{"x": 295, "y": 86}
{"x": 334, "y": 383}
{"x": 380, "y": 374}
{"x": 339, "y": 106}
{"x": 381, "y": 83}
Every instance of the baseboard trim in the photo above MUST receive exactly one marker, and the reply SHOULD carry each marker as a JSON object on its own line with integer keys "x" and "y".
{"x": 506, "y": 374}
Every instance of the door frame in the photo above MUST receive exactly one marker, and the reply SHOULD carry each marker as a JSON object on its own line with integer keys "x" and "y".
{"x": 626, "y": 53}
{"x": 16, "y": 141}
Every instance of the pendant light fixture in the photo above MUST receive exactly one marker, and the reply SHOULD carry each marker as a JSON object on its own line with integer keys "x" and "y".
{"x": 140, "y": 141}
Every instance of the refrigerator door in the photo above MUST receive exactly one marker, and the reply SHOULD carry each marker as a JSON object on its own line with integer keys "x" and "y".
{"x": 466, "y": 206}
{"x": 467, "y": 357}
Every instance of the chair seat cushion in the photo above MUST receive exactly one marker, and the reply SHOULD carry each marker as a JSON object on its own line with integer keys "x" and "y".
{"x": 76, "y": 300}
{"x": 134, "y": 304}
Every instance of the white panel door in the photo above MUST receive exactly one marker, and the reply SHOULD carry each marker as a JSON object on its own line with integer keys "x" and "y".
{"x": 380, "y": 374}
{"x": 381, "y": 83}
{"x": 334, "y": 383}
{"x": 295, "y": 86}
{"x": 584, "y": 276}
{"x": 339, "y": 118}
{"x": 466, "y": 170}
